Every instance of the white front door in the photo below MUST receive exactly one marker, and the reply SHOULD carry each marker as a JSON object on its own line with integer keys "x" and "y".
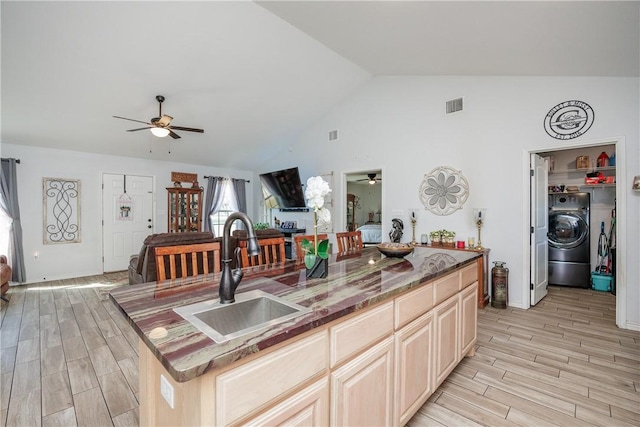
{"x": 127, "y": 216}
{"x": 539, "y": 227}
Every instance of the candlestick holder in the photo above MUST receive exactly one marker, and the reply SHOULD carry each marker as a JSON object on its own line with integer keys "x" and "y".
{"x": 413, "y": 236}
{"x": 479, "y": 216}
{"x": 479, "y": 244}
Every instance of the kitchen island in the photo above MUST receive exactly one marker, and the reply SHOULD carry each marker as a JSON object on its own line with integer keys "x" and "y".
{"x": 385, "y": 331}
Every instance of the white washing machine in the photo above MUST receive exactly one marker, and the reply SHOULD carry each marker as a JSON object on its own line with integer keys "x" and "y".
{"x": 569, "y": 243}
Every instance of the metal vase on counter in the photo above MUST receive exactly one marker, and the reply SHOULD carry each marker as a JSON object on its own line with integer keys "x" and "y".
{"x": 499, "y": 285}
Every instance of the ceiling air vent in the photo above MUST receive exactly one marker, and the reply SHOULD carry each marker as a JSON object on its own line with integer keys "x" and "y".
{"x": 454, "y": 105}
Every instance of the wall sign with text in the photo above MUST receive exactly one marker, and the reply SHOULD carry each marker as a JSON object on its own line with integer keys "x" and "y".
{"x": 569, "y": 120}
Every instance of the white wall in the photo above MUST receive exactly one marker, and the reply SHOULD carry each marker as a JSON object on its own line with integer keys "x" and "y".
{"x": 398, "y": 124}
{"x": 62, "y": 261}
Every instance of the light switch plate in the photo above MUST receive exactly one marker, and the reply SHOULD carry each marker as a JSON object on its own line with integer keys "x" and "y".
{"x": 166, "y": 390}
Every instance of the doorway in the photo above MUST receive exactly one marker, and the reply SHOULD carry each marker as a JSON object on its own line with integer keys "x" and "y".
{"x": 618, "y": 195}
{"x": 363, "y": 204}
{"x": 127, "y": 217}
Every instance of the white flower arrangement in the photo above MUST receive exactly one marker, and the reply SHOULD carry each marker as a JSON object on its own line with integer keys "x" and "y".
{"x": 315, "y": 192}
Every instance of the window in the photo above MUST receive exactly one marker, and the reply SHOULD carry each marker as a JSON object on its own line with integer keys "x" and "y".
{"x": 228, "y": 206}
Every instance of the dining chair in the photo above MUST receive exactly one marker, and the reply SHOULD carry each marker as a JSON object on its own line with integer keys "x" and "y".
{"x": 298, "y": 242}
{"x": 349, "y": 241}
{"x": 173, "y": 262}
{"x": 271, "y": 251}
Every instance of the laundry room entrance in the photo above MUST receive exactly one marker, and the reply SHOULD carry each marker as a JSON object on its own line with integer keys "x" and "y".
{"x": 585, "y": 216}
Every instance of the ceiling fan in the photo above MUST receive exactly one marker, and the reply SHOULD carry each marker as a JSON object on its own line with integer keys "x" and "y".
{"x": 161, "y": 126}
{"x": 372, "y": 179}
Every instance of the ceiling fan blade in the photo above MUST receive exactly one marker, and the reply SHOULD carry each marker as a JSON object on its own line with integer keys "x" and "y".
{"x": 187, "y": 129}
{"x": 173, "y": 135}
{"x": 133, "y": 130}
{"x": 164, "y": 120}
{"x": 132, "y": 120}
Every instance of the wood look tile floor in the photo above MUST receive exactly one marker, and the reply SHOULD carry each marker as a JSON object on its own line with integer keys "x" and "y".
{"x": 69, "y": 358}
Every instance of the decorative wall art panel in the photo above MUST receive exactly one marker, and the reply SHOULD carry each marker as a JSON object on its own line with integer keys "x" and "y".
{"x": 61, "y": 210}
{"x": 444, "y": 190}
{"x": 124, "y": 211}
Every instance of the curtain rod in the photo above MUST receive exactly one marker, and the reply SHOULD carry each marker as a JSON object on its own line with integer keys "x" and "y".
{"x": 17, "y": 160}
{"x": 207, "y": 177}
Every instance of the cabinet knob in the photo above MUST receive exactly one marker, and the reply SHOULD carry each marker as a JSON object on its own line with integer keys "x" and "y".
{"x": 149, "y": 226}
{"x": 149, "y": 220}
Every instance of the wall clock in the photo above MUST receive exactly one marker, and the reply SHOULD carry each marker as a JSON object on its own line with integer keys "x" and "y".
{"x": 444, "y": 190}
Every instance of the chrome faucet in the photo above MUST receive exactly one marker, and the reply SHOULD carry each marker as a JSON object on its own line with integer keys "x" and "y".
{"x": 230, "y": 279}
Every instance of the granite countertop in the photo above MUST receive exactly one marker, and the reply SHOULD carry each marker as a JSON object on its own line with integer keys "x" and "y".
{"x": 355, "y": 281}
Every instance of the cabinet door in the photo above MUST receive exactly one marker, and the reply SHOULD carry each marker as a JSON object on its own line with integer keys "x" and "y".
{"x": 468, "y": 319}
{"x": 362, "y": 390}
{"x": 309, "y": 407}
{"x": 413, "y": 379}
{"x": 446, "y": 339}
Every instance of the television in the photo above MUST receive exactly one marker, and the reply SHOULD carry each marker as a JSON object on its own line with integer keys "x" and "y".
{"x": 283, "y": 189}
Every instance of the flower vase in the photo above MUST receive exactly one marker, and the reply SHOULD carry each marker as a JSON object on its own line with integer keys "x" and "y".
{"x": 320, "y": 269}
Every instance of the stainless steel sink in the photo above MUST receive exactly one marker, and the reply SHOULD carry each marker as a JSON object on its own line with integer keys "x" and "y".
{"x": 251, "y": 312}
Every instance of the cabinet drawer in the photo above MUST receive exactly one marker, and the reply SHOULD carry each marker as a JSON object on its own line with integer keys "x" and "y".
{"x": 356, "y": 334}
{"x": 309, "y": 407}
{"x": 468, "y": 275}
{"x": 446, "y": 287}
{"x": 411, "y": 305}
{"x": 250, "y": 386}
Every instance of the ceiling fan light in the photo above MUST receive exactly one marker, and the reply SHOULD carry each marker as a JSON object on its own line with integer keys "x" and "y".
{"x": 159, "y": 132}
{"x": 372, "y": 181}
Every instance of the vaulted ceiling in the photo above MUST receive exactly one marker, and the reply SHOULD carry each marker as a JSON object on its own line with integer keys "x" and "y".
{"x": 254, "y": 75}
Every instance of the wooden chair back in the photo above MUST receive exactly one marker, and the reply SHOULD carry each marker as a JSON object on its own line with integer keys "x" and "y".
{"x": 271, "y": 251}
{"x": 298, "y": 242}
{"x": 349, "y": 241}
{"x": 173, "y": 262}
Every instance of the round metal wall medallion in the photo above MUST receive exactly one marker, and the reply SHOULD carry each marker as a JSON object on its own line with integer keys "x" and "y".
{"x": 569, "y": 119}
{"x": 444, "y": 190}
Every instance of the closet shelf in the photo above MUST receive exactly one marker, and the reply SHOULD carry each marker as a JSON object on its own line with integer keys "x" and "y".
{"x": 604, "y": 168}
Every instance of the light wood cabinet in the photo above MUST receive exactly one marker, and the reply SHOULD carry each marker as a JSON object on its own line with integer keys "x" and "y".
{"x": 446, "y": 341}
{"x": 413, "y": 372}
{"x": 360, "y": 332}
{"x": 446, "y": 287}
{"x": 468, "y": 319}
{"x": 309, "y": 407}
{"x": 362, "y": 389}
{"x": 184, "y": 209}
{"x": 250, "y": 386}
{"x": 413, "y": 304}
{"x": 374, "y": 367}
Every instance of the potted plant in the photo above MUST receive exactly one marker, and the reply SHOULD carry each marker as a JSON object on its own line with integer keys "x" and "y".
{"x": 124, "y": 211}
{"x": 316, "y": 257}
{"x": 448, "y": 237}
